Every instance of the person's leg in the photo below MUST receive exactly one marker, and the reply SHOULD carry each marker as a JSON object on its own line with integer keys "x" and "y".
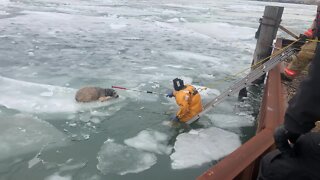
{"x": 300, "y": 61}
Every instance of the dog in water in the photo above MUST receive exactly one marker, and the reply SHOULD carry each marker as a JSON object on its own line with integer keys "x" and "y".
{"x": 90, "y": 94}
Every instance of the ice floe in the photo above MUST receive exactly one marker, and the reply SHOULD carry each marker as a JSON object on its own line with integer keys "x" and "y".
{"x": 121, "y": 159}
{"x": 24, "y": 133}
{"x": 150, "y": 140}
{"x": 201, "y": 146}
{"x": 38, "y": 98}
{"x": 57, "y": 176}
{"x": 229, "y": 121}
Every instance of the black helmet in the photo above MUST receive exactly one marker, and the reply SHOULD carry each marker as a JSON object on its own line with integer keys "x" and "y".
{"x": 178, "y": 84}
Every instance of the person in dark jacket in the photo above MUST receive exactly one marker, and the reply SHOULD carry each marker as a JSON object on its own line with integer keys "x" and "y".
{"x": 298, "y": 153}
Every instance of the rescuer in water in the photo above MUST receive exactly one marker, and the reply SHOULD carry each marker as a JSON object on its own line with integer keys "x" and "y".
{"x": 301, "y": 60}
{"x": 187, "y": 98}
{"x": 298, "y": 153}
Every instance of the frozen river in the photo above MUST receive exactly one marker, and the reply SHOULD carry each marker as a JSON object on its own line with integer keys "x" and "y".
{"x": 51, "y": 48}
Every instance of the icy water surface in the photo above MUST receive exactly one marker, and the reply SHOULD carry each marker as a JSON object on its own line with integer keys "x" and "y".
{"x": 51, "y": 48}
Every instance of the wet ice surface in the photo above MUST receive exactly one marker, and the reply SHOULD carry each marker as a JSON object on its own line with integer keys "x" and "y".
{"x": 22, "y": 133}
{"x": 40, "y": 98}
{"x": 121, "y": 159}
{"x": 201, "y": 146}
{"x": 56, "y": 176}
{"x": 51, "y": 48}
{"x": 150, "y": 140}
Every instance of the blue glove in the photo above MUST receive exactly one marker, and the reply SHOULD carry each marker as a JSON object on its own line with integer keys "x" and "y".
{"x": 175, "y": 119}
{"x": 169, "y": 94}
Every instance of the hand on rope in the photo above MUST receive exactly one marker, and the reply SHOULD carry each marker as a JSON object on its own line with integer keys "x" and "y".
{"x": 303, "y": 37}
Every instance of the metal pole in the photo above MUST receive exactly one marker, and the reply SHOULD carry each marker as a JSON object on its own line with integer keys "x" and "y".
{"x": 288, "y": 32}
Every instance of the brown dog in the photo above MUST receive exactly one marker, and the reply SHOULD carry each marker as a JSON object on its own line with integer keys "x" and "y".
{"x": 89, "y": 94}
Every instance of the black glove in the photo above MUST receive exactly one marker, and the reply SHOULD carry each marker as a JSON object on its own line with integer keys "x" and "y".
{"x": 303, "y": 38}
{"x": 169, "y": 94}
{"x": 281, "y": 137}
{"x": 174, "y": 118}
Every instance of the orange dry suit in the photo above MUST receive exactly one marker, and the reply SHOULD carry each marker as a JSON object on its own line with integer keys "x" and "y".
{"x": 189, "y": 101}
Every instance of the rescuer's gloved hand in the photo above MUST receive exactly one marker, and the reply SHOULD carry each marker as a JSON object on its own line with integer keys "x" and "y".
{"x": 169, "y": 94}
{"x": 282, "y": 137}
{"x": 174, "y": 118}
{"x": 303, "y": 37}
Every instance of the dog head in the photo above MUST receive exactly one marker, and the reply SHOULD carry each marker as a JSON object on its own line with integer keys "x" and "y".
{"x": 111, "y": 93}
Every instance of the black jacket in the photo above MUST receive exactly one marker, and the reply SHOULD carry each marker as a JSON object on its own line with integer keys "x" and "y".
{"x": 304, "y": 108}
{"x": 302, "y": 113}
{"x": 304, "y": 166}
{"x": 307, "y": 149}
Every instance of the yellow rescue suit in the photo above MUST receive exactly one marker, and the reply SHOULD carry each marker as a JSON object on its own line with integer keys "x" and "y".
{"x": 189, "y": 102}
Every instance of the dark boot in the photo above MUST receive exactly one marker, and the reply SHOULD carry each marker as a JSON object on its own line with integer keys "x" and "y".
{"x": 285, "y": 78}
